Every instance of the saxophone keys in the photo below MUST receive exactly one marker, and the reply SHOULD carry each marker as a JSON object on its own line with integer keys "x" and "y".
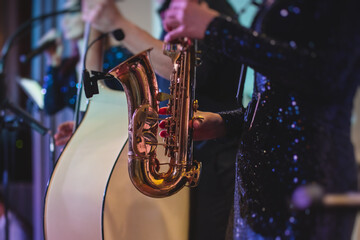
{"x": 156, "y": 164}
{"x": 161, "y": 96}
{"x": 195, "y": 105}
{"x": 193, "y": 175}
{"x": 198, "y": 60}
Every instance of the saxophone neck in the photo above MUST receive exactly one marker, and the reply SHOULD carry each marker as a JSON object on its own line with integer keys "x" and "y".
{"x": 174, "y": 49}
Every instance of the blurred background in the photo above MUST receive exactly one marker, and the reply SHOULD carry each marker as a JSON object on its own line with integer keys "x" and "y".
{"x": 25, "y": 152}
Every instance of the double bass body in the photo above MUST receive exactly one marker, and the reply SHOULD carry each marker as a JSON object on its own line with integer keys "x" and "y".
{"x": 90, "y": 195}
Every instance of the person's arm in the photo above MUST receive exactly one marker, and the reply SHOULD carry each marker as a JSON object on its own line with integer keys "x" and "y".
{"x": 297, "y": 66}
{"x": 208, "y": 125}
{"x": 106, "y": 17}
{"x": 95, "y": 54}
{"x": 53, "y": 53}
{"x": 291, "y": 65}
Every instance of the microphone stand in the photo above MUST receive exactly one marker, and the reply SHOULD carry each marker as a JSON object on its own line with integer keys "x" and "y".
{"x": 21, "y": 115}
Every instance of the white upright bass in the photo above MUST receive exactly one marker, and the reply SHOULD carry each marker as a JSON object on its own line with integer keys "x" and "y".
{"x": 90, "y": 195}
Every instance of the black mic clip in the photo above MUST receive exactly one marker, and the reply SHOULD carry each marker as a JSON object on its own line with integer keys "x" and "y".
{"x": 90, "y": 83}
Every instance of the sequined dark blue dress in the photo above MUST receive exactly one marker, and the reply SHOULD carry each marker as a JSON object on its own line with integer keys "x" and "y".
{"x": 296, "y": 129}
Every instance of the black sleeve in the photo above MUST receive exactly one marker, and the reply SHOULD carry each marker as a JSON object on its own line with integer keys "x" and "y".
{"x": 234, "y": 122}
{"x": 297, "y": 66}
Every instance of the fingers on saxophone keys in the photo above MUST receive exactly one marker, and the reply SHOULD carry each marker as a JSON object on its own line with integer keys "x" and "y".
{"x": 196, "y": 121}
{"x": 199, "y": 118}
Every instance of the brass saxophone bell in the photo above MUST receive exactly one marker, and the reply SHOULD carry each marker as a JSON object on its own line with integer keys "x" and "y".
{"x": 139, "y": 82}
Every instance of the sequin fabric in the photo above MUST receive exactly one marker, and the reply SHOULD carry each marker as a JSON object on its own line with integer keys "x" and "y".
{"x": 296, "y": 129}
{"x": 60, "y": 86}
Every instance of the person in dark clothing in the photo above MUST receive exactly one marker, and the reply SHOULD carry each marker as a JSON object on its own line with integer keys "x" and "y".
{"x": 296, "y": 129}
{"x": 211, "y": 201}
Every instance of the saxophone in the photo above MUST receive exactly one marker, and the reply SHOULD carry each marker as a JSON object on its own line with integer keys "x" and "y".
{"x": 150, "y": 176}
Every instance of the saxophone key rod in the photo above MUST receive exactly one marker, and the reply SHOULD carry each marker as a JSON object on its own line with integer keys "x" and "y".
{"x": 160, "y": 144}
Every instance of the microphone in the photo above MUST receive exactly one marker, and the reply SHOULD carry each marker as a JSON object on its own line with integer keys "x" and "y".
{"x": 47, "y": 44}
{"x": 90, "y": 85}
{"x": 118, "y": 34}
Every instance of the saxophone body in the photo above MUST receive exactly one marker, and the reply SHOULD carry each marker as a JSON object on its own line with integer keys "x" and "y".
{"x": 150, "y": 176}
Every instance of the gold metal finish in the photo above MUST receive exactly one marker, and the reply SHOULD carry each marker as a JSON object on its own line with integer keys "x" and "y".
{"x": 139, "y": 82}
{"x": 163, "y": 96}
